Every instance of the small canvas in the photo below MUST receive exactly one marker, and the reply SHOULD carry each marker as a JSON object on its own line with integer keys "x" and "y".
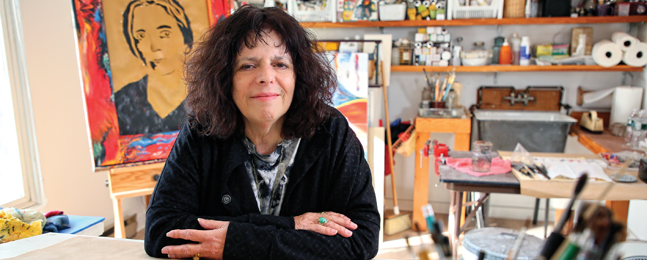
{"x": 357, "y": 10}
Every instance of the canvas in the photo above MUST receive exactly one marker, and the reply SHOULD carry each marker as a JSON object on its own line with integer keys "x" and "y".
{"x": 357, "y": 10}
{"x": 351, "y": 96}
{"x": 131, "y": 71}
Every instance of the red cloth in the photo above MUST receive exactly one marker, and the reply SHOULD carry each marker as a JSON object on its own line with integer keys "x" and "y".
{"x": 53, "y": 213}
{"x": 498, "y": 166}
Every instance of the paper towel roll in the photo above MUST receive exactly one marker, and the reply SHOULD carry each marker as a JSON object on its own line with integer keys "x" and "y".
{"x": 606, "y": 53}
{"x": 597, "y": 99}
{"x": 636, "y": 56}
{"x": 624, "y": 40}
{"x": 625, "y": 99}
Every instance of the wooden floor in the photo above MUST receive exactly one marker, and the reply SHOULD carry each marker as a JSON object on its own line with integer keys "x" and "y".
{"x": 395, "y": 246}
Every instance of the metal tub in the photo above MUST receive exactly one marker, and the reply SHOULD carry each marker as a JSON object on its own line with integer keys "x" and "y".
{"x": 537, "y": 131}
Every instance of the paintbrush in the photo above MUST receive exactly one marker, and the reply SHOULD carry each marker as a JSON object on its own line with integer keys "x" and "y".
{"x": 437, "y": 91}
{"x": 556, "y": 238}
{"x": 449, "y": 84}
{"x": 442, "y": 89}
{"x": 427, "y": 78}
{"x": 517, "y": 244}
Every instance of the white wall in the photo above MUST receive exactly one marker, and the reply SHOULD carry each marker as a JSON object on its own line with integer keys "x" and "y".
{"x": 69, "y": 182}
{"x": 71, "y": 185}
{"x": 404, "y": 95}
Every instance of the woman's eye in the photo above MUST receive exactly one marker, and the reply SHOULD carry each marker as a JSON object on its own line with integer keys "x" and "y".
{"x": 165, "y": 34}
{"x": 246, "y": 66}
{"x": 140, "y": 35}
{"x": 281, "y": 65}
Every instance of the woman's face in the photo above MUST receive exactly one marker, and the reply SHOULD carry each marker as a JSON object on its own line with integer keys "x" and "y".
{"x": 158, "y": 38}
{"x": 264, "y": 81}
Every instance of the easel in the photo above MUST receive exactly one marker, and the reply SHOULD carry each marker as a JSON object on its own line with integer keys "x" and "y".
{"x": 128, "y": 182}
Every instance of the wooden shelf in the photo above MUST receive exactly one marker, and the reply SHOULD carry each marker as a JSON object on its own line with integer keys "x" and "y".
{"x": 491, "y": 21}
{"x": 514, "y": 68}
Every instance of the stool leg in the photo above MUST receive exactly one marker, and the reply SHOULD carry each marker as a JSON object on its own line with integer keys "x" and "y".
{"x": 120, "y": 228}
{"x": 547, "y": 210}
{"x": 534, "y": 216}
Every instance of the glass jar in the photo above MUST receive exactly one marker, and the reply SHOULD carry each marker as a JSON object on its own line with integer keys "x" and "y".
{"x": 406, "y": 51}
{"x": 481, "y": 156}
{"x": 452, "y": 99}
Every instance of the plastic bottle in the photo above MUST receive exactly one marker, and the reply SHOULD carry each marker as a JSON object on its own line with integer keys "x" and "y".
{"x": 505, "y": 53}
{"x": 498, "y": 42}
{"x": 515, "y": 45}
{"x": 524, "y": 51}
{"x": 630, "y": 125}
{"x": 640, "y": 127}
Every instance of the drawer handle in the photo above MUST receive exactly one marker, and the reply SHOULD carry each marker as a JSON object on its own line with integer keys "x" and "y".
{"x": 156, "y": 177}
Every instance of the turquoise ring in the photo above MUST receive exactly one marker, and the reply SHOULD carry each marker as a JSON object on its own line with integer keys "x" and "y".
{"x": 322, "y": 221}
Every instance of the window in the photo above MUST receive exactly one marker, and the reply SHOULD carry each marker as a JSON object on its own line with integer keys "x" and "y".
{"x": 19, "y": 173}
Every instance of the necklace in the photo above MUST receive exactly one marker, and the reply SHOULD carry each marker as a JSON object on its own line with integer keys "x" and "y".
{"x": 255, "y": 173}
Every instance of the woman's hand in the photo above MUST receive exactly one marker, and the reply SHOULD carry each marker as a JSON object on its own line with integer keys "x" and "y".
{"x": 335, "y": 223}
{"x": 211, "y": 242}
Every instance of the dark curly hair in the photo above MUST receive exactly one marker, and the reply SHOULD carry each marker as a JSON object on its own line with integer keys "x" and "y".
{"x": 209, "y": 74}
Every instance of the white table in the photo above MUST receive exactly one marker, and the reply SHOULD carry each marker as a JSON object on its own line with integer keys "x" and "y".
{"x": 67, "y": 246}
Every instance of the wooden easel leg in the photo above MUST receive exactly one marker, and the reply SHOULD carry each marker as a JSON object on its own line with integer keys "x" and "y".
{"x": 148, "y": 200}
{"x": 120, "y": 228}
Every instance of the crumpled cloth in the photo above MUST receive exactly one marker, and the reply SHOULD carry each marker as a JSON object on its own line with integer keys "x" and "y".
{"x": 56, "y": 223}
{"x": 498, "y": 166}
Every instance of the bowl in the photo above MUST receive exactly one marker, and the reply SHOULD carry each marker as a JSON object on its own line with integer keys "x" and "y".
{"x": 474, "y": 61}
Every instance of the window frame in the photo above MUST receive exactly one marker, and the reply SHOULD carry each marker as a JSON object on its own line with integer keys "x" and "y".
{"x": 22, "y": 105}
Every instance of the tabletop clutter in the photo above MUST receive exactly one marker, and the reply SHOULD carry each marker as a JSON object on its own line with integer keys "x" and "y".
{"x": 17, "y": 224}
{"x": 595, "y": 231}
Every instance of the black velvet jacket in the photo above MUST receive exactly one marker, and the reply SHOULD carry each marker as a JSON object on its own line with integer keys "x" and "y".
{"x": 205, "y": 177}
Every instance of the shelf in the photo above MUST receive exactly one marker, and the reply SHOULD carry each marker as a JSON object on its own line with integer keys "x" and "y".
{"x": 514, "y": 68}
{"x": 491, "y": 21}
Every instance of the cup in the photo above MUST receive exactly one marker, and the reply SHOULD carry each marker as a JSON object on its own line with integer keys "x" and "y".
{"x": 481, "y": 156}
{"x": 605, "y": 10}
{"x": 642, "y": 169}
{"x": 437, "y": 104}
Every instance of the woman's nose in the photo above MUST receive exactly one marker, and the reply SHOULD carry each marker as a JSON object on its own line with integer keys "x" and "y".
{"x": 156, "y": 44}
{"x": 266, "y": 74}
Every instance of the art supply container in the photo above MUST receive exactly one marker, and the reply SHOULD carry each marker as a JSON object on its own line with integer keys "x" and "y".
{"x": 481, "y": 157}
{"x": 497, "y": 243}
{"x": 437, "y": 104}
{"x": 642, "y": 169}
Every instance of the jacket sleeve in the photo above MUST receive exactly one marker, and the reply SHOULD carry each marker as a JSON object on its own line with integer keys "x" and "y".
{"x": 353, "y": 186}
{"x": 175, "y": 203}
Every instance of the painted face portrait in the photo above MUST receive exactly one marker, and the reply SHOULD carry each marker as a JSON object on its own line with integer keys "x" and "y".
{"x": 158, "y": 34}
{"x": 158, "y": 39}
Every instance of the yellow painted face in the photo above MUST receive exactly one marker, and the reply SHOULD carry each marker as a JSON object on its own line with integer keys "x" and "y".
{"x": 158, "y": 38}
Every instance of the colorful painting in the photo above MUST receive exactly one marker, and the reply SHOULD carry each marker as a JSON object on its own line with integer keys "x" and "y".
{"x": 351, "y": 96}
{"x": 121, "y": 66}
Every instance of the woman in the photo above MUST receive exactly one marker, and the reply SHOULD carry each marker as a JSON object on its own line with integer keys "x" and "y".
{"x": 159, "y": 33}
{"x": 264, "y": 168}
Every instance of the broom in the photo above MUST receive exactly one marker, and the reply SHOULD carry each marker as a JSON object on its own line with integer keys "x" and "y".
{"x": 398, "y": 222}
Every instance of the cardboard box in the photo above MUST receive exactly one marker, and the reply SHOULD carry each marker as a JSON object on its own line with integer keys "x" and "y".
{"x": 575, "y": 36}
